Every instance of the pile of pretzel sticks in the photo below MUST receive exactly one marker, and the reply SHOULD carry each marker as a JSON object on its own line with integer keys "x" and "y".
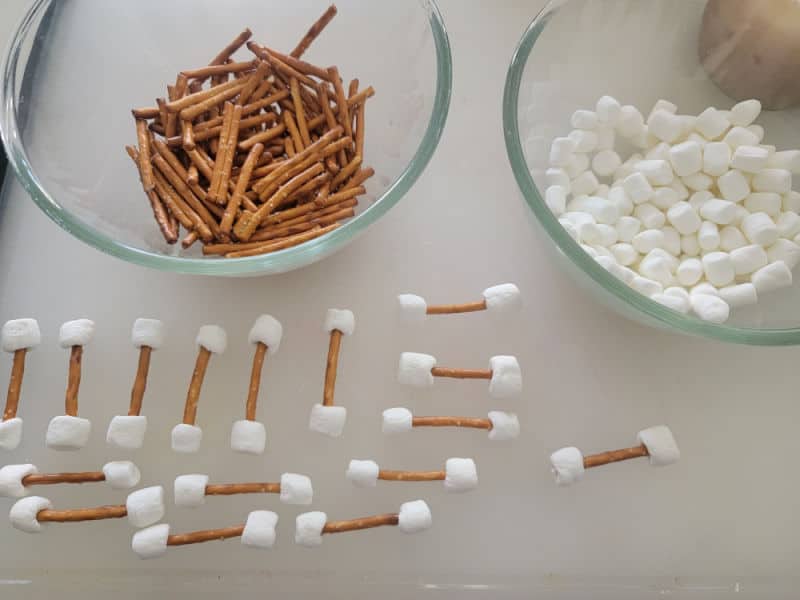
{"x": 268, "y": 156}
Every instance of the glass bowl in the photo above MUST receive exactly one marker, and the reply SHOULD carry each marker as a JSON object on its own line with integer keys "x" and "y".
{"x": 638, "y": 51}
{"x": 75, "y": 69}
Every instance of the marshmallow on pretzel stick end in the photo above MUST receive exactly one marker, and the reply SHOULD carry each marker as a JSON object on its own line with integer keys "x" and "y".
{"x": 142, "y": 508}
{"x": 127, "y": 431}
{"x": 458, "y": 475}
{"x": 16, "y": 479}
{"x": 420, "y": 370}
{"x": 257, "y": 532}
{"x": 501, "y": 425}
{"x": 17, "y": 337}
{"x": 501, "y": 298}
{"x": 327, "y": 418}
{"x": 248, "y": 435}
{"x": 413, "y": 517}
{"x": 569, "y": 464}
{"x": 69, "y": 431}
{"x": 191, "y": 490}
{"x": 187, "y": 436}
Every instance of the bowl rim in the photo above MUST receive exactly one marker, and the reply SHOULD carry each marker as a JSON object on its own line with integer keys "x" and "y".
{"x": 276, "y": 262}
{"x": 558, "y": 235}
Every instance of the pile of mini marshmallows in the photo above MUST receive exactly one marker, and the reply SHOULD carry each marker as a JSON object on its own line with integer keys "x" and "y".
{"x": 702, "y": 218}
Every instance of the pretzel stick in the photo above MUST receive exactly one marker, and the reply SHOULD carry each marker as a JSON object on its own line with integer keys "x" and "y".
{"x": 190, "y": 239}
{"x": 187, "y": 217}
{"x": 280, "y": 66}
{"x": 330, "y": 119}
{"x": 207, "y": 227}
{"x": 290, "y": 168}
{"x": 359, "y": 178}
{"x": 362, "y": 523}
{"x": 82, "y": 514}
{"x": 201, "y": 96}
{"x": 351, "y": 103}
{"x": 168, "y": 229}
{"x": 263, "y": 137}
{"x": 188, "y": 140}
{"x": 219, "y": 163}
{"x": 298, "y": 109}
{"x": 15, "y": 384}
{"x": 323, "y": 194}
{"x": 241, "y": 185}
{"x": 194, "y": 111}
{"x": 56, "y": 478}
{"x": 174, "y": 92}
{"x": 343, "y": 110}
{"x": 193, "y": 395}
{"x": 324, "y": 216}
{"x": 299, "y": 211}
{"x": 291, "y": 126}
{"x": 253, "y": 82}
{"x": 300, "y": 65}
{"x": 255, "y": 381}
{"x": 150, "y": 112}
{"x": 284, "y": 243}
{"x": 604, "y": 458}
{"x": 473, "y": 422}
{"x": 145, "y": 168}
{"x": 287, "y": 188}
{"x": 206, "y": 72}
{"x": 312, "y": 185}
{"x": 214, "y": 127}
{"x": 347, "y": 171}
{"x": 330, "y": 367}
{"x": 411, "y": 475}
{"x": 232, "y": 47}
{"x": 208, "y": 535}
{"x": 270, "y": 235}
{"x": 162, "y": 112}
{"x": 230, "y": 150}
{"x": 73, "y": 381}
{"x": 461, "y": 373}
{"x": 262, "y": 90}
{"x": 360, "y": 117}
{"x": 140, "y": 381}
{"x": 352, "y": 90}
{"x": 287, "y": 142}
{"x": 448, "y": 309}
{"x": 313, "y": 31}
{"x": 229, "y": 489}
{"x": 192, "y": 175}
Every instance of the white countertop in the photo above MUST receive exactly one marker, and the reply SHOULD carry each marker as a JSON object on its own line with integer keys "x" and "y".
{"x": 592, "y": 379}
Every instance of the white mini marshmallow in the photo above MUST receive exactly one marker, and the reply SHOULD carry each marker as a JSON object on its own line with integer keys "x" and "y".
{"x": 690, "y": 245}
{"x": 24, "y": 512}
{"x": 716, "y": 158}
{"x": 648, "y": 240}
{"x": 308, "y": 528}
{"x": 740, "y": 136}
{"x": 637, "y": 187}
{"x": 658, "y": 172}
{"x": 556, "y": 176}
{"x": 127, "y": 431}
{"x": 767, "y": 202}
{"x": 415, "y": 516}
{"x": 760, "y": 229}
{"x": 772, "y": 277}
{"x": 708, "y": 236}
{"x": 731, "y": 238}
{"x": 750, "y": 159}
{"x": 10, "y": 433}
{"x": 773, "y": 180}
{"x": 340, "y": 320}
{"x": 11, "y": 477}
{"x": 555, "y": 196}
{"x": 608, "y": 110}
{"x": 742, "y": 294}
{"x": 733, "y": 186}
{"x": 791, "y": 201}
{"x": 584, "y": 119}
{"x": 625, "y": 254}
{"x": 567, "y": 465}
{"x": 414, "y": 308}
{"x": 606, "y": 137}
{"x": 506, "y": 381}
{"x": 664, "y": 105}
{"x": 583, "y": 141}
{"x": 585, "y": 183}
{"x": 148, "y": 332}
{"x": 785, "y": 159}
{"x": 461, "y": 475}
{"x": 710, "y": 308}
{"x": 145, "y": 506}
{"x": 329, "y": 420}
{"x": 577, "y": 164}
{"x": 686, "y": 158}
{"x": 646, "y": 287}
{"x": 718, "y": 211}
{"x": 601, "y": 209}
{"x": 690, "y": 271}
{"x": 76, "y": 333}
{"x": 748, "y": 259}
{"x": 296, "y": 489}
{"x": 665, "y": 125}
{"x": 788, "y": 224}
{"x": 189, "y": 491}
{"x": 745, "y": 112}
{"x": 121, "y": 474}
{"x": 397, "y": 420}
{"x": 712, "y": 123}
{"x": 660, "y": 444}
{"x": 505, "y": 425}
{"x": 259, "y": 529}
{"x": 704, "y": 288}
{"x": 213, "y": 338}
{"x": 248, "y": 437}
{"x": 68, "y": 433}
{"x": 697, "y": 182}
{"x": 650, "y": 216}
{"x": 502, "y": 298}
{"x": 684, "y": 218}
{"x": 186, "y": 438}
{"x": 676, "y": 303}
{"x": 606, "y": 162}
{"x": 631, "y": 121}
{"x": 718, "y": 268}
{"x": 664, "y": 198}
{"x": 20, "y": 334}
{"x": 151, "y": 542}
{"x": 414, "y": 369}
{"x": 363, "y": 473}
{"x": 785, "y": 251}
{"x": 268, "y": 331}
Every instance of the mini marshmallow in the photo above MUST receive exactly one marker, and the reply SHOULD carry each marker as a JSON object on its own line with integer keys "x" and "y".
{"x": 556, "y": 176}
{"x": 785, "y": 251}
{"x": 785, "y": 159}
{"x": 363, "y": 473}
{"x": 718, "y": 268}
{"x": 186, "y": 438}
{"x": 664, "y": 105}
{"x": 259, "y": 529}
{"x": 658, "y": 172}
{"x": 664, "y": 198}
{"x": 637, "y": 187}
{"x": 506, "y": 381}
{"x": 151, "y": 542}
{"x": 742, "y": 294}
{"x": 606, "y": 137}
{"x": 603, "y": 210}
{"x": 630, "y": 122}
{"x": 625, "y": 254}
{"x": 248, "y": 437}
{"x": 772, "y": 277}
{"x": 24, "y": 512}
{"x": 584, "y": 119}
{"x": 650, "y": 216}
{"x": 698, "y": 199}
{"x": 697, "y": 181}
{"x": 773, "y": 180}
{"x": 690, "y": 271}
{"x": 712, "y": 123}
{"x": 608, "y": 110}
{"x": 675, "y": 303}
{"x": 710, "y": 308}
{"x": 660, "y": 444}
{"x": 190, "y": 490}
{"x": 127, "y": 431}
{"x": 340, "y": 320}
{"x": 567, "y": 465}
{"x": 584, "y": 141}
{"x": 329, "y": 420}
{"x": 686, "y": 158}
{"x": 502, "y": 298}
{"x": 646, "y": 287}
{"x": 658, "y": 152}
{"x": 606, "y": 162}
{"x": 76, "y": 333}
{"x": 740, "y": 136}
{"x": 716, "y": 158}
{"x": 750, "y": 159}
{"x": 415, "y": 516}
{"x": 296, "y": 489}
{"x": 731, "y": 238}
{"x": 704, "y": 288}
{"x": 648, "y": 240}
{"x": 760, "y": 229}
{"x": 585, "y": 183}
{"x": 11, "y": 477}
{"x": 505, "y": 425}
{"x": 308, "y": 528}
{"x": 678, "y": 292}
{"x": 745, "y": 112}
{"x": 690, "y": 246}
{"x": 758, "y": 131}
{"x": 599, "y": 235}
{"x": 788, "y": 224}
{"x": 791, "y": 201}
{"x": 461, "y": 475}
{"x": 148, "y": 332}
{"x": 657, "y": 268}
{"x": 413, "y": 307}
{"x": 733, "y": 186}
{"x": 121, "y": 474}
{"x": 213, "y": 338}
{"x": 665, "y": 125}
{"x": 415, "y": 369}
{"x": 577, "y": 165}
{"x": 68, "y": 433}
{"x": 268, "y": 331}
{"x": 10, "y": 433}
{"x": 145, "y": 506}
{"x": 20, "y": 334}
{"x": 397, "y": 420}
{"x": 748, "y": 259}
{"x": 718, "y": 211}
{"x": 684, "y": 218}
{"x": 708, "y": 236}
{"x": 555, "y": 197}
